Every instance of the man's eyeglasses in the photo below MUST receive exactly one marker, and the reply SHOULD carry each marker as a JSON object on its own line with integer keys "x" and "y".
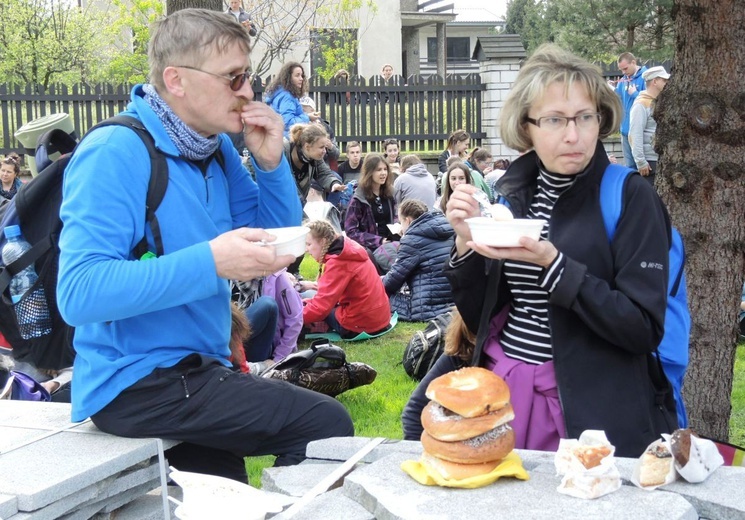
{"x": 236, "y": 82}
{"x": 583, "y": 121}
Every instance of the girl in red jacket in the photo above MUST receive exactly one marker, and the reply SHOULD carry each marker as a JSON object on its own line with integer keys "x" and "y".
{"x": 351, "y": 297}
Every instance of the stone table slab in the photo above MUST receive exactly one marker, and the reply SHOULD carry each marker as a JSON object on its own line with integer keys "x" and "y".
{"x": 342, "y": 448}
{"x": 65, "y": 458}
{"x": 333, "y": 505}
{"x": 8, "y": 506}
{"x": 390, "y": 494}
{"x": 295, "y": 481}
{"x": 719, "y": 497}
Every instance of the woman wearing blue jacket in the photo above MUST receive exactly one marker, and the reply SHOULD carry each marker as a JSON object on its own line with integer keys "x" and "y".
{"x": 425, "y": 247}
{"x": 283, "y": 95}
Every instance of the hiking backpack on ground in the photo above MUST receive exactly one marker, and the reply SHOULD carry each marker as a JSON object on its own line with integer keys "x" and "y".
{"x": 673, "y": 349}
{"x": 36, "y": 209}
{"x": 426, "y": 346}
{"x": 322, "y": 368}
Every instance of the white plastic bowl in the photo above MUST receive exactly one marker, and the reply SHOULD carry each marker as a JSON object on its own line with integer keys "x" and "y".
{"x": 290, "y": 240}
{"x": 208, "y": 496}
{"x": 504, "y": 233}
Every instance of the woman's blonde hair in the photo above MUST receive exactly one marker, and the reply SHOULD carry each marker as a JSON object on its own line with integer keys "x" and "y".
{"x": 457, "y": 137}
{"x": 369, "y": 165}
{"x": 412, "y": 208}
{"x": 323, "y": 232}
{"x": 240, "y": 331}
{"x": 306, "y": 133}
{"x": 551, "y": 64}
{"x": 459, "y": 341}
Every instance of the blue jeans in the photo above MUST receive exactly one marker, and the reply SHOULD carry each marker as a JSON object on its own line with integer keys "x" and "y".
{"x": 262, "y": 315}
{"x": 628, "y": 158}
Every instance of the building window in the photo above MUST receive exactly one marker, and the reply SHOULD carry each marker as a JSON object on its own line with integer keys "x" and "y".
{"x": 459, "y": 49}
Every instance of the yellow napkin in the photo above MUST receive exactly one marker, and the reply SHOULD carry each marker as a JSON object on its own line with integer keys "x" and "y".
{"x": 511, "y": 466}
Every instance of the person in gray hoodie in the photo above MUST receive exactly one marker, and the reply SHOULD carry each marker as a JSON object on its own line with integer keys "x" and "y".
{"x": 415, "y": 182}
{"x": 642, "y": 126}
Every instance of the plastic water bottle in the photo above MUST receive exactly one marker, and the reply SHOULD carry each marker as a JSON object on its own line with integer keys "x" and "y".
{"x": 32, "y": 313}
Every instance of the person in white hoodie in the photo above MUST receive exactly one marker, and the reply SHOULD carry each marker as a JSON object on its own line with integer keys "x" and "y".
{"x": 642, "y": 126}
{"x": 415, "y": 182}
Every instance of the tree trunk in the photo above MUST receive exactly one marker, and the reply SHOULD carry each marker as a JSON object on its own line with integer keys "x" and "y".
{"x": 176, "y": 5}
{"x": 701, "y": 141}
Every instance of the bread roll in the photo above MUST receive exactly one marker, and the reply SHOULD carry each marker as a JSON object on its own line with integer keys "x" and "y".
{"x": 656, "y": 464}
{"x": 470, "y": 392}
{"x": 493, "y": 445}
{"x": 444, "y": 425}
{"x": 455, "y": 471}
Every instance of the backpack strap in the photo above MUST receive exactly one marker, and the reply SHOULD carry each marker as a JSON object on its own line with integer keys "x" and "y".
{"x": 611, "y": 196}
{"x": 157, "y": 185}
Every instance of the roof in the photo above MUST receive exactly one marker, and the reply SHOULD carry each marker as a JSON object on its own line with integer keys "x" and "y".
{"x": 498, "y": 46}
{"x": 480, "y": 15}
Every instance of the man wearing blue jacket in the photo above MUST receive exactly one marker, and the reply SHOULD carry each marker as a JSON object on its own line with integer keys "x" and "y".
{"x": 627, "y": 88}
{"x": 152, "y": 334}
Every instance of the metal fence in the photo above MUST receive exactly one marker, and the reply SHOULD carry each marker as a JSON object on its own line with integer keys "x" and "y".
{"x": 420, "y": 111}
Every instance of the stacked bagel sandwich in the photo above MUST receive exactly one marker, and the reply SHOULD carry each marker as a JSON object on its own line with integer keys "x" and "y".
{"x": 466, "y": 423}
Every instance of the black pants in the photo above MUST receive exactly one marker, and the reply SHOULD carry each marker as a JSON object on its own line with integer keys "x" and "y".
{"x": 205, "y": 404}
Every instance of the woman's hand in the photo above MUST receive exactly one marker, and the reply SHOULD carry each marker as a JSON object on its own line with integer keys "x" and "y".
{"x": 461, "y": 206}
{"x": 535, "y": 252}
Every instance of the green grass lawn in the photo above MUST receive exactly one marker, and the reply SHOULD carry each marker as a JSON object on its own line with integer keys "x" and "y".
{"x": 376, "y": 408}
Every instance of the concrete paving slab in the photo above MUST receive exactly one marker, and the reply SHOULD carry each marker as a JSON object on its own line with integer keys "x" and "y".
{"x": 110, "y": 489}
{"x": 146, "y": 507}
{"x": 295, "y": 480}
{"x": 34, "y": 415}
{"x": 719, "y": 497}
{"x": 8, "y": 506}
{"x": 341, "y": 448}
{"x": 334, "y": 505}
{"x": 388, "y": 493}
{"x": 70, "y": 462}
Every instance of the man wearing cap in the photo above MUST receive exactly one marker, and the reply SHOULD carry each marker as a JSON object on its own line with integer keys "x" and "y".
{"x": 627, "y": 88}
{"x": 642, "y": 125}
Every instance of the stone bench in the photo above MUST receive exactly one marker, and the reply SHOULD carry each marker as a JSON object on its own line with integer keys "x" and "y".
{"x": 379, "y": 489}
{"x": 52, "y": 468}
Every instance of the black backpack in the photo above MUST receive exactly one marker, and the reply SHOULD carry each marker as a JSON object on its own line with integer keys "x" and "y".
{"x": 426, "y": 346}
{"x": 323, "y": 368}
{"x": 36, "y": 209}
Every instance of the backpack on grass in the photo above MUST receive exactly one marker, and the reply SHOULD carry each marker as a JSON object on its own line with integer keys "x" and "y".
{"x": 673, "y": 349}
{"x": 36, "y": 209}
{"x": 323, "y": 368}
{"x": 426, "y": 346}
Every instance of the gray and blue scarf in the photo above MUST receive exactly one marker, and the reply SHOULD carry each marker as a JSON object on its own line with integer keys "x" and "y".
{"x": 190, "y": 144}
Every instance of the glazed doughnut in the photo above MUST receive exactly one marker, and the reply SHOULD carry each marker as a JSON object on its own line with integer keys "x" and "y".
{"x": 470, "y": 391}
{"x": 444, "y": 425}
{"x": 453, "y": 470}
{"x": 493, "y": 445}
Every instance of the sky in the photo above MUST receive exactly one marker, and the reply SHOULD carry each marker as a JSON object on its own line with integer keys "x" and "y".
{"x": 498, "y": 7}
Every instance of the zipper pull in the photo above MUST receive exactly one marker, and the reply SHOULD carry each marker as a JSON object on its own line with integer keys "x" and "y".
{"x": 186, "y": 388}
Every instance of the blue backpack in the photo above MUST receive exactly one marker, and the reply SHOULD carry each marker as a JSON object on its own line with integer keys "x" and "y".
{"x": 673, "y": 349}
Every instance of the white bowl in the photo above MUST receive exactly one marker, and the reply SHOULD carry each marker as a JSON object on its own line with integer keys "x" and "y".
{"x": 504, "y": 233}
{"x": 290, "y": 240}
{"x": 209, "y": 496}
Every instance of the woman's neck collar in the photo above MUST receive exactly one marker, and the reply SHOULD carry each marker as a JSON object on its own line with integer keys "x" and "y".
{"x": 296, "y": 162}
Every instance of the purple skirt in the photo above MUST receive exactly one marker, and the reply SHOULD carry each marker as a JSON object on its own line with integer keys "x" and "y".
{"x": 539, "y": 422}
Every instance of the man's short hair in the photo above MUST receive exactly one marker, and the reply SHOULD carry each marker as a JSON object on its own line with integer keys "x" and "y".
{"x": 626, "y": 56}
{"x": 352, "y": 144}
{"x": 187, "y": 37}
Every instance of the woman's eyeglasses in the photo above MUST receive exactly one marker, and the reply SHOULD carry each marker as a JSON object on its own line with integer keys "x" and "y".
{"x": 583, "y": 121}
{"x": 236, "y": 82}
